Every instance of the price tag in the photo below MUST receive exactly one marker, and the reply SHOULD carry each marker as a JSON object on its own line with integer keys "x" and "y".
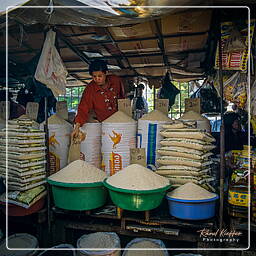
{"x": 193, "y": 105}
{"x": 138, "y": 156}
{"x": 3, "y": 106}
{"x": 162, "y": 105}
{"x": 125, "y": 106}
{"x": 32, "y": 110}
{"x": 62, "y": 109}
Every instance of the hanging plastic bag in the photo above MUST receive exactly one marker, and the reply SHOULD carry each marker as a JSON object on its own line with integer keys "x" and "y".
{"x": 235, "y": 89}
{"x": 168, "y": 90}
{"x": 50, "y": 69}
{"x": 210, "y": 100}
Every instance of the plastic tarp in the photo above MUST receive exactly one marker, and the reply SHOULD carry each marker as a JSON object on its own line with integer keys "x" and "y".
{"x": 95, "y": 13}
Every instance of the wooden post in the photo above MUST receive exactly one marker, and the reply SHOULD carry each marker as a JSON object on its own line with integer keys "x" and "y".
{"x": 222, "y": 140}
{"x": 47, "y": 167}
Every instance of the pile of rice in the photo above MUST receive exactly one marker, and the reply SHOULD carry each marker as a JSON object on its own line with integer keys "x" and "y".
{"x": 79, "y": 171}
{"x": 137, "y": 177}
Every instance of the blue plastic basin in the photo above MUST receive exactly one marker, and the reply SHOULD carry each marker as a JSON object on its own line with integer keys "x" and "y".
{"x": 192, "y": 209}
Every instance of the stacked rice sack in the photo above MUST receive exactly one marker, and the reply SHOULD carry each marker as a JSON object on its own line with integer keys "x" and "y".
{"x": 25, "y": 145}
{"x": 185, "y": 154}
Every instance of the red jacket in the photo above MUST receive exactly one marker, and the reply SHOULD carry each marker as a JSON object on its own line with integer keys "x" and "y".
{"x": 102, "y": 101}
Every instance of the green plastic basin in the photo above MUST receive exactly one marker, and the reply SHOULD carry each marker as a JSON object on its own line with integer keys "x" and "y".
{"x": 136, "y": 200}
{"x": 82, "y": 196}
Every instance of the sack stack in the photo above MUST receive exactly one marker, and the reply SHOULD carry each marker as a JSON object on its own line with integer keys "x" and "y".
{"x": 185, "y": 154}
{"x": 25, "y": 162}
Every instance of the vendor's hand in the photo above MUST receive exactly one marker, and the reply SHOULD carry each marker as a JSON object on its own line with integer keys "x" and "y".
{"x": 75, "y": 132}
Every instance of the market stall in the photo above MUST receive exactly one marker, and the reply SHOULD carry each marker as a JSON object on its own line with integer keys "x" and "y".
{"x": 160, "y": 180}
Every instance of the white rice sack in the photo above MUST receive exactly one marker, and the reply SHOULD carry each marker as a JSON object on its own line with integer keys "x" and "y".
{"x": 168, "y": 160}
{"x": 188, "y": 143}
{"x": 167, "y": 173}
{"x": 183, "y": 152}
{"x": 187, "y": 134}
{"x": 179, "y": 124}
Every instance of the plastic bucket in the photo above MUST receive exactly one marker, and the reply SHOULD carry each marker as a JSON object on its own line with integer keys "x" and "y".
{"x": 76, "y": 196}
{"x": 69, "y": 252}
{"x": 156, "y": 244}
{"x": 115, "y": 244}
{"x": 136, "y": 200}
{"x": 192, "y": 209}
{"x": 19, "y": 240}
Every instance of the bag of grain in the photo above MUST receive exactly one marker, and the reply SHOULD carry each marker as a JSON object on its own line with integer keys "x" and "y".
{"x": 99, "y": 244}
{"x": 202, "y": 122}
{"x": 148, "y": 135}
{"x": 59, "y": 141}
{"x": 91, "y": 145}
{"x": 146, "y": 243}
{"x": 118, "y": 136}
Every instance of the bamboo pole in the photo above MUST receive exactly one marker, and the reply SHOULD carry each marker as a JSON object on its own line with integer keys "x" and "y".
{"x": 222, "y": 140}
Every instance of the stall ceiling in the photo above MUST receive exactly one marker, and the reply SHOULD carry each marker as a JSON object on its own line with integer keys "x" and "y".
{"x": 182, "y": 43}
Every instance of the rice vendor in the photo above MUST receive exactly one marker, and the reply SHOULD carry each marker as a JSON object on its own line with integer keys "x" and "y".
{"x": 235, "y": 138}
{"x": 100, "y": 95}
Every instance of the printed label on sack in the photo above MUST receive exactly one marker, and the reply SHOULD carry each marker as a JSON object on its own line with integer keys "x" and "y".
{"x": 115, "y": 138}
{"x": 162, "y": 105}
{"x": 32, "y": 110}
{"x": 124, "y": 105}
{"x": 54, "y": 163}
{"x": 238, "y": 198}
{"x": 193, "y": 105}
{"x": 151, "y": 146}
{"x": 138, "y": 156}
{"x": 115, "y": 163}
{"x": 62, "y": 109}
{"x": 82, "y": 156}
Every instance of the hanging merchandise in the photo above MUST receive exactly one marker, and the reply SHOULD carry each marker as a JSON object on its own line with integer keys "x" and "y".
{"x": 50, "y": 69}
{"x": 210, "y": 101}
{"x": 253, "y": 99}
{"x": 235, "y": 89}
{"x": 149, "y": 137}
{"x": 234, "y": 44}
{"x": 168, "y": 90}
{"x": 91, "y": 145}
{"x": 59, "y": 141}
{"x": 118, "y": 136}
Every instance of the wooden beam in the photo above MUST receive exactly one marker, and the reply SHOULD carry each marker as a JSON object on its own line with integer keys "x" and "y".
{"x": 161, "y": 43}
{"x": 73, "y": 48}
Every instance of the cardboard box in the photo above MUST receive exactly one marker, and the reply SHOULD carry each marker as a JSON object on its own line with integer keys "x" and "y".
{"x": 184, "y": 43}
{"x": 152, "y": 71}
{"x": 144, "y": 61}
{"x": 187, "y": 22}
{"x": 134, "y": 30}
{"x": 139, "y": 46}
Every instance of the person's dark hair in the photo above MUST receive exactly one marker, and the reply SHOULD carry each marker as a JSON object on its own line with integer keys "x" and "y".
{"x": 141, "y": 86}
{"x": 229, "y": 118}
{"x": 98, "y": 65}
